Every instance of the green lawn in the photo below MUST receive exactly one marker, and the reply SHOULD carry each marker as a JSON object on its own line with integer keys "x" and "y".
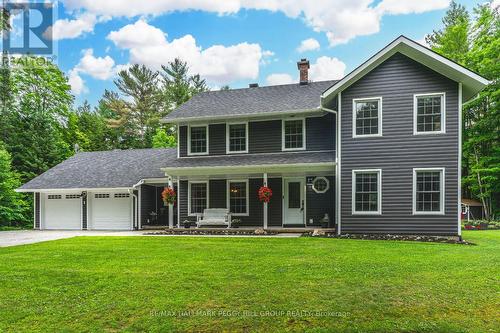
{"x": 159, "y": 284}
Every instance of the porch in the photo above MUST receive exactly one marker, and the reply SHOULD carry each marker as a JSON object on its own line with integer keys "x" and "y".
{"x": 303, "y": 196}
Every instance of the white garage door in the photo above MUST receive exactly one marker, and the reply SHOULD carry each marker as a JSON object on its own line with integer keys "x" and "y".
{"x": 111, "y": 211}
{"x": 62, "y": 211}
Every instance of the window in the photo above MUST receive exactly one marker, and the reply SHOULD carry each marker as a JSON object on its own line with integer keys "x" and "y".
{"x": 238, "y": 197}
{"x": 367, "y": 117}
{"x": 72, "y": 196}
{"x": 366, "y": 191}
{"x": 198, "y": 140}
{"x": 428, "y": 191}
{"x": 198, "y": 197}
{"x": 237, "y": 138}
{"x": 54, "y": 196}
{"x": 122, "y": 195}
{"x": 101, "y": 196}
{"x": 294, "y": 136}
{"x": 428, "y": 113}
{"x": 320, "y": 185}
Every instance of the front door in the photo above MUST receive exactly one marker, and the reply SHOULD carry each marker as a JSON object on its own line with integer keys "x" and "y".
{"x": 293, "y": 202}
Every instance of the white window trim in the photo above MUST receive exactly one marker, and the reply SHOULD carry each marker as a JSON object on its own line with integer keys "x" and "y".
{"x": 189, "y": 195}
{"x": 443, "y": 113}
{"x": 228, "y": 146}
{"x": 228, "y": 199}
{"x": 327, "y": 185}
{"x": 379, "y": 192}
{"x": 283, "y": 121}
{"x": 379, "y": 115}
{"x": 442, "y": 188}
{"x": 189, "y": 140}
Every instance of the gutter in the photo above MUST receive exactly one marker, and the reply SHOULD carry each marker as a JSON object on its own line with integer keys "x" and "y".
{"x": 241, "y": 115}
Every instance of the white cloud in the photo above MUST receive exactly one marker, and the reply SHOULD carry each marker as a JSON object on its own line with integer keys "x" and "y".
{"x": 341, "y": 20}
{"x": 219, "y": 64}
{"x": 97, "y": 67}
{"x": 67, "y": 29}
{"x": 76, "y": 83}
{"x": 327, "y": 68}
{"x": 495, "y": 4}
{"x": 309, "y": 44}
{"x": 407, "y": 7}
{"x": 279, "y": 78}
{"x": 422, "y": 41}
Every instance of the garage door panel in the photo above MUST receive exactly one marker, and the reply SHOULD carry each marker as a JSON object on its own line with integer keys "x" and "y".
{"x": 111, "y": 211}
{"x": 62, "y": 211}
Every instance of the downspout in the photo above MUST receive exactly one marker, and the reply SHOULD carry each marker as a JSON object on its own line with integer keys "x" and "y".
{"x": 337, "y": 162}
{"x": 136, "y": 199}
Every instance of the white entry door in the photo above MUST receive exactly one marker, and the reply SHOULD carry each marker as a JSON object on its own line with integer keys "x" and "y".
{"x": 293, "y": 201}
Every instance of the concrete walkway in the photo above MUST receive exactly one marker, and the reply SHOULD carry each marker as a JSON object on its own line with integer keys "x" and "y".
{"x": 21, "y": 237}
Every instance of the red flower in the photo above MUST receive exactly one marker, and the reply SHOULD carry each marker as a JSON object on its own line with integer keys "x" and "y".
{"x": 265, "y": 194}
{"x": 168, "y": 195}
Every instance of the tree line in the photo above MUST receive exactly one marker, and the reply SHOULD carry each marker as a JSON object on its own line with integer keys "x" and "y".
{"x": 39, "y": 127}
{"x": 39, "y": 124}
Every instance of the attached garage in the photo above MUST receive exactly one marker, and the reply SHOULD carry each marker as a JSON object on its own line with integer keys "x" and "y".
{"x": 110, "y": 211}
{"x": 62, "y": 211}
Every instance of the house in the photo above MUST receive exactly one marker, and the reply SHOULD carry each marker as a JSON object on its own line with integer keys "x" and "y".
{"x": 376, "y": 152}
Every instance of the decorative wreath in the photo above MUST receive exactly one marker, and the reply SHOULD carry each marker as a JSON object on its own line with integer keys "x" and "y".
{"x": 265, "y": 194}
{"x": 168, "y": 195}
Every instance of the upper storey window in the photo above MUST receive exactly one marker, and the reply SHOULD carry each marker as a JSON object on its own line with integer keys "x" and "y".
{"x": 198, "y": 140}
{"x": 367, "y": 117}
{"x": 294, "y": 134}
{"x": 237, "y": 138}
{"x": 428, "y": 113}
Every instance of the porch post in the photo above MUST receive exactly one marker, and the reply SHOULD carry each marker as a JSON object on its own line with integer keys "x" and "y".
{"x": 265, "y": 203}
{"x": 170, "y": 207}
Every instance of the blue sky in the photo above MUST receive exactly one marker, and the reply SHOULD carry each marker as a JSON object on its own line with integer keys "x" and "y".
{"x": 232, "y": 42}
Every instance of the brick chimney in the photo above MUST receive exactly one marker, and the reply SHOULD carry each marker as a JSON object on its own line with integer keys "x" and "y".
{"x": 303, "y": 66}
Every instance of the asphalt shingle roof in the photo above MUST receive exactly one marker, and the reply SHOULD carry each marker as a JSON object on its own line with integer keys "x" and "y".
{"x": 254, "y": 159}
{"x": 252, "y": 101}
{"x": 104, "y": 169}
{"x": 125, "y": 168}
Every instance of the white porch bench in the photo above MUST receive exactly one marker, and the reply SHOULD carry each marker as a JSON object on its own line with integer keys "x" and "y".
{"x": 214, "y": 217}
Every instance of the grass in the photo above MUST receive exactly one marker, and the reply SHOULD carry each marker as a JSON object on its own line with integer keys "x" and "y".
{"x": 158, "y": 284}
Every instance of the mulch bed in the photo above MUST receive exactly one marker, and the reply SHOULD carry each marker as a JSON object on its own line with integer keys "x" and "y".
{"x": 416, "y": 238}
{"x": 258, "y": 232}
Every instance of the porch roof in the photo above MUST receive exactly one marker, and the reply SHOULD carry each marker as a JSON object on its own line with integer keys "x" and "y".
{"x": 252, "y": 163}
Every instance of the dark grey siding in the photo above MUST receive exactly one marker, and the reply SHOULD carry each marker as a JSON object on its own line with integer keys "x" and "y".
{"x": 275, "y": 210}
{"x": 317, "y": 204}
{"x": 265, "y": 136}
{"x": 217, "y": 198}
{"x": 182, "y": 141}
{"x": 147, "y": 203}
{"x": 37, "y": 211}
{"x": 84, "y": 210}
{"x": 183, "y": 202}
{"x": 151, "y": 201}
{"x": 217, "y": 139}
{"x": 320, "y": 133}
{"x": 398, "y": 151}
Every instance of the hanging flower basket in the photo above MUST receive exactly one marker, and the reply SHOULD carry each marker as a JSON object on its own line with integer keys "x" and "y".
{"x": 265, "y": 194}
{"x": 168, "y": 195}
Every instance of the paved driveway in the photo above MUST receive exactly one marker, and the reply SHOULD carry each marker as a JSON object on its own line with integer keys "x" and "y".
{"x": 20, "y": 237}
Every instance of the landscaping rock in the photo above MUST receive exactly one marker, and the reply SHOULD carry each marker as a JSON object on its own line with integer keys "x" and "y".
{"x": 260, "y": 231}
{"x": 318, "y": 232}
